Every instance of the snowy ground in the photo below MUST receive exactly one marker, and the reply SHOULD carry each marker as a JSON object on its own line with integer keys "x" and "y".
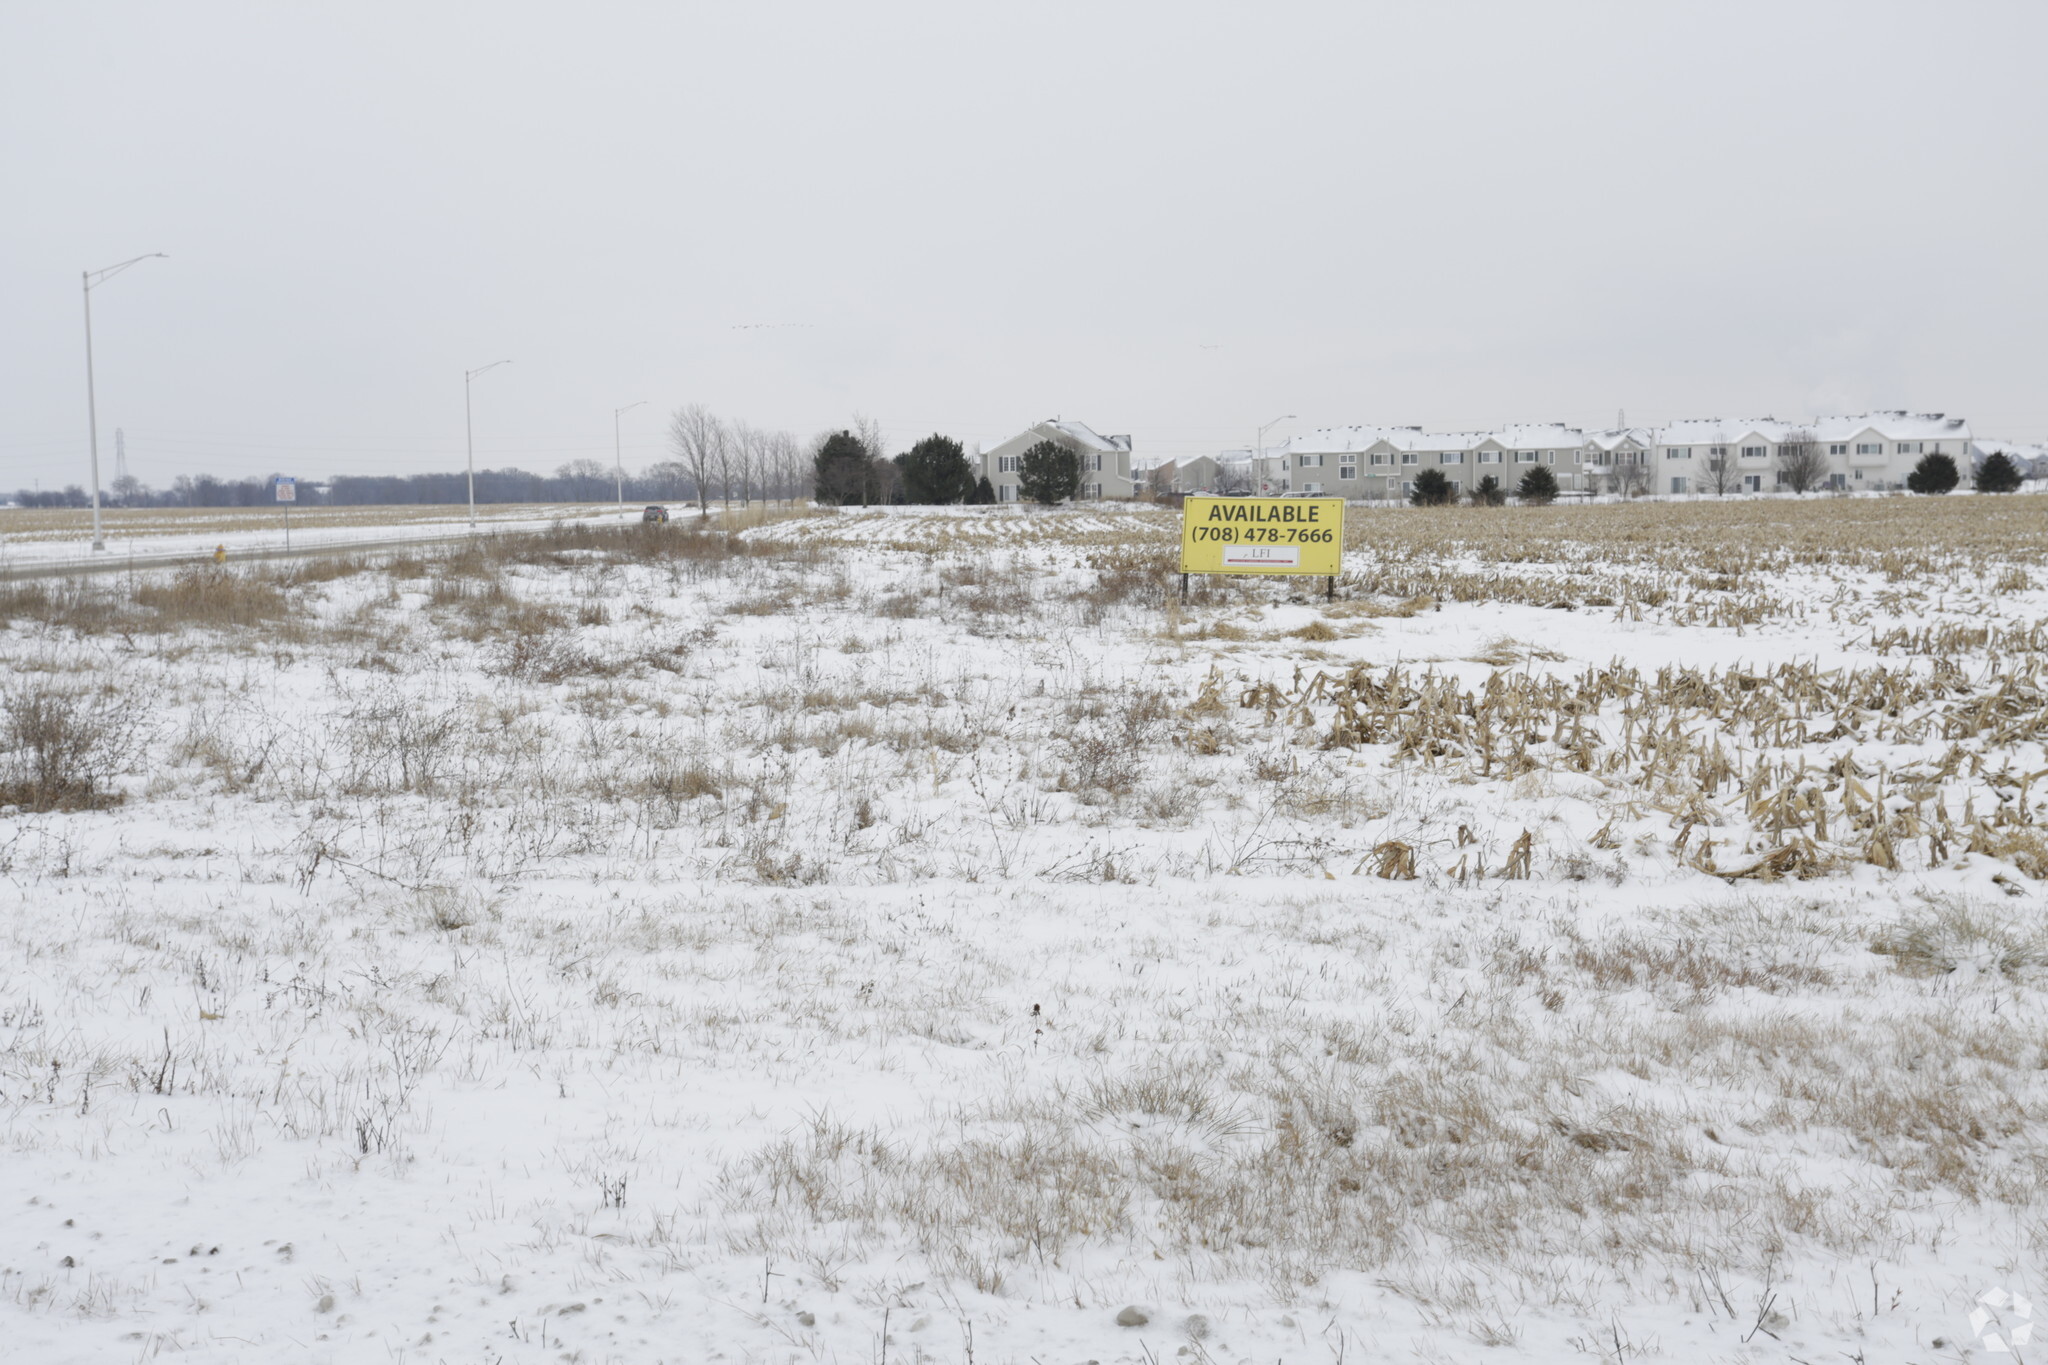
{"x": 1601, "y": 934}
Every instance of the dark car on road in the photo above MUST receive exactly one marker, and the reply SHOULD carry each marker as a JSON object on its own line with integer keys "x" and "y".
{"x": 654, "y": 513}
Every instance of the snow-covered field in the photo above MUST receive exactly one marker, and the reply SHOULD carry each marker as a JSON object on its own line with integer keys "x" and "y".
{"x": 1603, "y": 934}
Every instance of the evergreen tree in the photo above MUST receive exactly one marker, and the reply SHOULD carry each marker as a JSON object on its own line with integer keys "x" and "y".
{"x": 1538, "y": 486}
{"x": 1432, "y": 489}
{"x": 984, "y": 492}
{"x": 1049, "y": 473}
{"x": 935, "y": 470}
{"x": 843, "y": 471}
{"x": 1489, "y": 493}
{"x": 1934, "y": 474}
{"x": 1997, "y": 475}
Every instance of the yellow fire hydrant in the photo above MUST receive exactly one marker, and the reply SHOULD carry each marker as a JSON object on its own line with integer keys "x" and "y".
{"x": 220, "y": 554}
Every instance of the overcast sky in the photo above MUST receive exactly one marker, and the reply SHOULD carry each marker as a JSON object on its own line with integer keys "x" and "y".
{"x": 1176, "y": 220}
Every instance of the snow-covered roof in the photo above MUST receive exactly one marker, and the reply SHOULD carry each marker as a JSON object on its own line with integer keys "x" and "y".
{"x": 1616, "y": 437}
{"x": 1539, "y": 436}
{"x": 1893, "y": 426}
{"x": 1087, "y": 437}
{"x": 1336, "y": 440}
{"x": 1720, "y": 431}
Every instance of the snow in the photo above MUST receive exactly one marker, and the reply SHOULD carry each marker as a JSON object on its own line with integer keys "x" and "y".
{"x": 778, "y": 965}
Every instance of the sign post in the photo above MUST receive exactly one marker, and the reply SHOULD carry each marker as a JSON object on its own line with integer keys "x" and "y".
{"x": 287, "y": 494}
{"x": 1300, "y": 536}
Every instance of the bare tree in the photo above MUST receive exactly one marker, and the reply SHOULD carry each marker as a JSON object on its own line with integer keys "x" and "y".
{"x": 1802, "y": 461}
{"x": 747, "y": 444}
{"x": 783, "y": 465}
{"x": 698, "y": 440}
{"x": 870, "y": 433}
{"x": 1721, "y": 477}
{"x": 1632, "y": 472}
{"x": 586, "y": 479}
{"x": 668, "y": 479}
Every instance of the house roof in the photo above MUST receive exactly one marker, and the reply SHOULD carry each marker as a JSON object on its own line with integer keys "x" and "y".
{"x": 1087, "y": 437}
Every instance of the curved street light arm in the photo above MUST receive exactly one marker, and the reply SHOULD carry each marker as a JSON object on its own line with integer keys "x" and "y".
{"x": 94, "y": 278}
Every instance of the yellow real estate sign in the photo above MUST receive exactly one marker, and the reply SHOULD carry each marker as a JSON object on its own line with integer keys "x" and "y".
{"x": 1262, "y": 535}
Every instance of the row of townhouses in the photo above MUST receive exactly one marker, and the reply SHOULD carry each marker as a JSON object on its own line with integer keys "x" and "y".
{"x": 1874, "y": 451}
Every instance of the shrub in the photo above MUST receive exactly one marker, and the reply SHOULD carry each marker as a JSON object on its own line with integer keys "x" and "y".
{"x": 1049, "y": 473}
{"x": 1997, "y": 475}
{"x": 63, "y": 749}
{"x": 1432, "y": 489}
{"x": 1489, "y": 493}
{"x": 1934, "y": 474}
{"x": 984, "y": 492}
{"x": 1538, "y": 486}
{"x": 935, "y": 470}
{"x": 844, "y": 470}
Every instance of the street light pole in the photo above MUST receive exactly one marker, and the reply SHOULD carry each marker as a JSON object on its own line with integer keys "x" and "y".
{"x": 618, "y": 454}
{"x": 469, "y": 433}
{"x": 1259, "y": 442}
{"x": 90, "y": 279}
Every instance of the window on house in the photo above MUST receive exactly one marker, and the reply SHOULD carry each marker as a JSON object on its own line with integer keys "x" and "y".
{"x": 1095, "y": 489}
{"x": 1909, "y": 447}
{"x": 1408, "y": 457}
{"x": 1678, "y": 483}
{"x": 1347, "y": 468}
{"x": 1678, "y": 453}
{"x": 1870, "y": 448}
{"x": 1452, "y": 457}
{"x": 1006, "y": 492}
{"x": 1094, "y": 464}
{"x": 1528, "y": 456}
{"x": 1755, "y": 452}
{"x": 1311, "y": 488}
{"x": 1379, "y": 457}
{"x": 1457, "y": 485}
{"x": 1839, "y": 448}
{"x": 1489, "y": 457}
{"x": 1717, "y": 451}
{"x": 1009, "y": 464}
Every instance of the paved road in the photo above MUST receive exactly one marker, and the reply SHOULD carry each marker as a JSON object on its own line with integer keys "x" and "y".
{"x": 123, "y": 563}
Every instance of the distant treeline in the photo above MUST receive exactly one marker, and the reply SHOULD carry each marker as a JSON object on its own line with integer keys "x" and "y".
{"x": 711, "y": 459}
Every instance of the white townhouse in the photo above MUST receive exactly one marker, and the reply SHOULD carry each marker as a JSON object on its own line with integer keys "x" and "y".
{"x": 1872, "y": 451}
{"x": 1202, "y": 474}
{"x": 1382, "y": 462}
{"x": 1105, "y": 460}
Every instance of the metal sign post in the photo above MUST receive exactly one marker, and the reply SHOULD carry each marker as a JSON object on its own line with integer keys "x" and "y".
{"x": 287, "y": 494}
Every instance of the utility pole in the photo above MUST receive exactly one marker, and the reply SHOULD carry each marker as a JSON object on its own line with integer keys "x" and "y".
{"x": 618, "y": 454}
{"x": 120, "y": 455}
{"x": 91, "y": 279}
{"x": 469, "y": 433}
{"x": 1259, "y": 445}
